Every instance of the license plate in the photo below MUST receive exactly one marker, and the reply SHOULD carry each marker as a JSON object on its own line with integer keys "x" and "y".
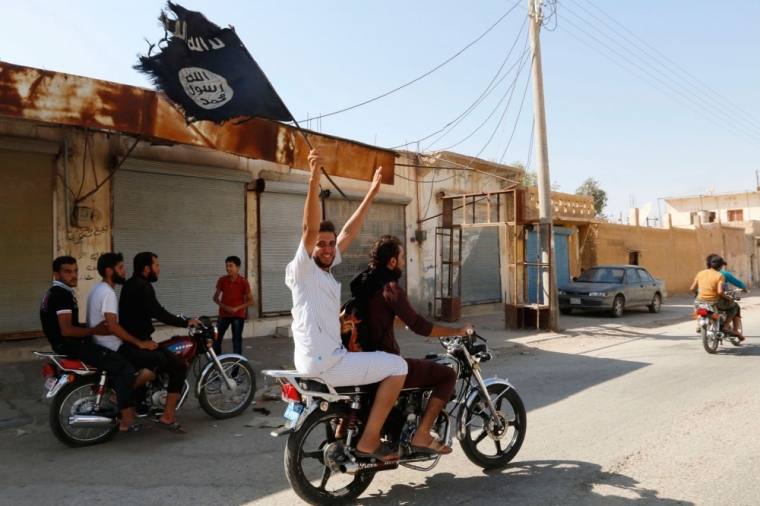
{"x": 294, "y": 411}
{"x": 50, "y": 382}
{"x": 575, "y": 300}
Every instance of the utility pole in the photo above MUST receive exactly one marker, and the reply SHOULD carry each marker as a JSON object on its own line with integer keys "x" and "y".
{"x": 548, "y": 273}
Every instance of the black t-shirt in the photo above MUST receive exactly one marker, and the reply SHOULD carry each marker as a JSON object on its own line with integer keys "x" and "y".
{"x": 57, "y": 300}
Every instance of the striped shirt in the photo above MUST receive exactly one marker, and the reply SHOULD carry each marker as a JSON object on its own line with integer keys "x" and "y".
{"x": 316, "y": 313}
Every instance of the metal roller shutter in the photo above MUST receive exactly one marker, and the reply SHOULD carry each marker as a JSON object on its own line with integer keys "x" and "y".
{"x": 26, "y": 236}
{"x": 280, "y": 217}
{"x": 481, "y": 259}
{"x": 191, "y": 221}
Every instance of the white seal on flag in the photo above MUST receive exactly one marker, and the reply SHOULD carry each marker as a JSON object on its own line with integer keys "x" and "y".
{"x": 207, "y": 89}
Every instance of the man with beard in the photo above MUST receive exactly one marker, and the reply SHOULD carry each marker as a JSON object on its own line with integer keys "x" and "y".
{"x": 138, "y": 306}
{"x": 102, "y": 305}
{"x": 319, "y": 350}
{"x": 59, "y": 314}
{"x": 385, "y": 299}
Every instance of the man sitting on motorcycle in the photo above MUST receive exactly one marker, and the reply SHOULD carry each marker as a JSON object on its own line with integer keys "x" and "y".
{"x": 59, "y": 315}
{"x": 137, "y": 307}
{"x": 319, "y": 350}
{"x": 385, "y": 300}
{"x": 102, "y": 305}
{"x": 733, "y": 280}
{"x": 709, "y": 287}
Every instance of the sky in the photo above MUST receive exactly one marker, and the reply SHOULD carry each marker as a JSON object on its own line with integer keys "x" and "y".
{"x": 644, "y": 130}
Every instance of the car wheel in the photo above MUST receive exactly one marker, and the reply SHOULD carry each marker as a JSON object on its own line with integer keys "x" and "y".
{"x": 566, "y": 310}
{"x": 617, "y": 307}
{"x": 656, "y": 304}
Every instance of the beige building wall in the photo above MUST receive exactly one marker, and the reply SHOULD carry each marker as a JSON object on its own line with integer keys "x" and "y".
{"x": 675, "y": 254}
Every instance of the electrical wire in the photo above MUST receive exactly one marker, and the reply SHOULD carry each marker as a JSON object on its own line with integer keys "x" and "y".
{"x": 510, "y": 91}
{"x": 714, "y": 110}
{"x": 426, "y": 182}
{"x": 482, "y": 96}
{"x": 734, "y": 106}
{"x": 423, "y": 75}
{"x": 643, "y": 70}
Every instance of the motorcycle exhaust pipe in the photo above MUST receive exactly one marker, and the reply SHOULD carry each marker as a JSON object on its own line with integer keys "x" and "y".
{"x": 93, "y": 421}
{"x": 364, "y": 466}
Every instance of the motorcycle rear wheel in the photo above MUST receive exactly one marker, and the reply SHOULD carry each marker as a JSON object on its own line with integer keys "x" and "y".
{"x": 478, "y": 438}
{"x": 79, "y": 398}
{"x": 219, "y": 402}
{"x": 710, "y": 345}
{"x": 305, "y": 447}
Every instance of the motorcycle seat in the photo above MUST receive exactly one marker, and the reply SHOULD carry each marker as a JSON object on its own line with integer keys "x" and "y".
{"x": 318, "y": 386}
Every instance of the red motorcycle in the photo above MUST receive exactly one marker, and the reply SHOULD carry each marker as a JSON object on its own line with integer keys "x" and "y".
{"x": 82, "y": 412}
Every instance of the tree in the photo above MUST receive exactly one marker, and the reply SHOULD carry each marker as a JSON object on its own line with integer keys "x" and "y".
{"x": 530, "y": 178}
{"x": 590, "y": 188}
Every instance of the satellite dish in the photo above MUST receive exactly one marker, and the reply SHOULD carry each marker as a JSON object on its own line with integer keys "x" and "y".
{"x": 644, "y": 214}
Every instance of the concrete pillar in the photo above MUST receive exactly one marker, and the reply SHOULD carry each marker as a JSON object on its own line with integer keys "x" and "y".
{"x": 633, "y": 216}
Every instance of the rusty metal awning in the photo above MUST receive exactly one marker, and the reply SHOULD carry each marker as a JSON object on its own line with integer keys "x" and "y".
{"x": 65, "y": 99}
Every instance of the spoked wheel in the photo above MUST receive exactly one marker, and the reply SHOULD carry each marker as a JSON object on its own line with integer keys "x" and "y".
{"x": 484, "y": 443}
{"x": 305, "y": 467}
{"x": 78, "y": 398}
{"x": 709, "y": 339}
{"x": 218, "y": 399}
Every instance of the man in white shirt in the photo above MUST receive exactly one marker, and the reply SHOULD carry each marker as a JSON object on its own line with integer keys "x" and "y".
{"x": 102, "y": 305}
{"x": 316, "y": 315}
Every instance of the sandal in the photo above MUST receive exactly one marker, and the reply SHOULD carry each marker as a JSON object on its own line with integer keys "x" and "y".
{"x": 171, "y": 427}
{"x": 133, "y": 429}
{"x": 381, "y": 453}
{"x": 433, "y": 448}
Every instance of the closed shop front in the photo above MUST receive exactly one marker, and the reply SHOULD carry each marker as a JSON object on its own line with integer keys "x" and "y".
{"x": 26, "y": 231}
{"x": 280, "y": 226}
{"x": 191, "y": 217}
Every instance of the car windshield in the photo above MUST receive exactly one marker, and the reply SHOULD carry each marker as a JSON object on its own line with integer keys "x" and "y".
{"x": 602, "y": 275}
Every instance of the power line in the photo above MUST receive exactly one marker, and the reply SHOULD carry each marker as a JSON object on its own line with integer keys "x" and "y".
{"x": 736, "y": 108}
{"x": 423, "y": 75}
{"x": 720, "y": 108}
{"x": 482, "y": 96}
{"x": 510, "y": 91}
{"x": 752, "y": 141}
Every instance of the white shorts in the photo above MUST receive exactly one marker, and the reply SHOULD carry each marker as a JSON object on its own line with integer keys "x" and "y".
{"x": 364, "y": 368}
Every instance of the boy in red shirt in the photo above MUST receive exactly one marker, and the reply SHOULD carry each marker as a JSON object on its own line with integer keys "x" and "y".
{"x": 236, "y": 296}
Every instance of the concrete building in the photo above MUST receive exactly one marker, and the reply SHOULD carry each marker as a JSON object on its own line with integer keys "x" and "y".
{"x": 89, "y": 167}
{"x": 735, "y": 210}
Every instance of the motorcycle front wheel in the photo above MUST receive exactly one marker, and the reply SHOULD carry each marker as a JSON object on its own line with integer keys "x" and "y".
{"x": 305, "y": 467}
{"x": 78, "y": 398}
{"x": 221, "y": 402}
{"x": 482, "y": 442}
{"x": 709, "y": 338}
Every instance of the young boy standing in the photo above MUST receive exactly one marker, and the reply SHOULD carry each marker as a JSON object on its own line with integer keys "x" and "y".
{"x": 236, "y": 296}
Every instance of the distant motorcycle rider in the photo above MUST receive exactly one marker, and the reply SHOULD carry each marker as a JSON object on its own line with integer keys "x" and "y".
{"x": 137, "y": 307}
{"x": 709, "y": 287}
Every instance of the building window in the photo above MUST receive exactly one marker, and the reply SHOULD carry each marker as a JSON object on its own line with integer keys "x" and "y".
{"x": 736, "y": 215}
{"x": 712, "y": 217}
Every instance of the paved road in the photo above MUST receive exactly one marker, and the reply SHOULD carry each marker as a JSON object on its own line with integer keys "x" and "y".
{"x": 622, "y": 412}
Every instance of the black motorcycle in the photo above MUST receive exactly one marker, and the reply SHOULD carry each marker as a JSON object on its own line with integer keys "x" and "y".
{"x": 323, "y": 469}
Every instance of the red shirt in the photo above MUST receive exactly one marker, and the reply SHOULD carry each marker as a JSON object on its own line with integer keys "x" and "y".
{"x": 232, "y": 295}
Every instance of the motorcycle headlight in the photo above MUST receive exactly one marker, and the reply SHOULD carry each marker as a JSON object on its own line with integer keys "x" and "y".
{"x": 599, "y": 294}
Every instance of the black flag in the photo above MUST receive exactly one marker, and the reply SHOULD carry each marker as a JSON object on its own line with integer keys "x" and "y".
{"x": 207, "y": 71}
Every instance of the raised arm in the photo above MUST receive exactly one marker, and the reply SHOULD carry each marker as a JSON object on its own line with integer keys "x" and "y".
{"x": 311, "y": 211}
{"x": 354, "y": 224}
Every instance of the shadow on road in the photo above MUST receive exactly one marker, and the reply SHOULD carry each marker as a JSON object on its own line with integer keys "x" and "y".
{"x": 526, "y": 483}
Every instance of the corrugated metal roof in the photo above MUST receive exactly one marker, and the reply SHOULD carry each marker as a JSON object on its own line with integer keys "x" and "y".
{"x": 53, "y": 97}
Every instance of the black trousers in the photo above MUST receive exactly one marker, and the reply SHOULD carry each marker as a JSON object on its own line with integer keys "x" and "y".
{"x": 159, "y": 360}
{"x": 121, "y": 372}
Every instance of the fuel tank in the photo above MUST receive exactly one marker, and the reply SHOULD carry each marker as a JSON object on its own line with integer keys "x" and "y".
{"x": 182, "y": 346}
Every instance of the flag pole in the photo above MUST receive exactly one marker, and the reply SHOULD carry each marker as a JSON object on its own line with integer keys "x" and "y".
{"x": 293, "y": 118}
